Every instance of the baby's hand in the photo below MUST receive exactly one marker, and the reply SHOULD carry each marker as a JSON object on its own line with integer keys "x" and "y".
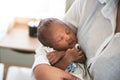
{"x": 55, "y": 56}
{"x": 82, "y": 58}
{"x": 74, "y": 55}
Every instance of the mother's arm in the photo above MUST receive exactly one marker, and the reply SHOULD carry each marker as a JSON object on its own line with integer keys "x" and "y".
{"x": 47, "y": 72}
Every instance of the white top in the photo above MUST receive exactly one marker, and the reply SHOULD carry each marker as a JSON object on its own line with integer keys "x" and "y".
{"x": 95, "y": 32}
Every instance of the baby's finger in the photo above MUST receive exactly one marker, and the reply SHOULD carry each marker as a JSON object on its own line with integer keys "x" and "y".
{"x": 81, "y": 53}
{"x": 49, "y": 56}
{"x": 54, "y": 61}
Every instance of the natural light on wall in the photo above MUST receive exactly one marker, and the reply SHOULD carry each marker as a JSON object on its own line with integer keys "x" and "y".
{"x": 9, "y": 9}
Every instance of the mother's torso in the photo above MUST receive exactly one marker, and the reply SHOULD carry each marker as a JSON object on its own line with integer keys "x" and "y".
{"x": 95, "y": 31}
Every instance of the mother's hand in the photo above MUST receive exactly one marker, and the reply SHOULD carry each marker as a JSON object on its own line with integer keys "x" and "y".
{"x": 47, "y": 72}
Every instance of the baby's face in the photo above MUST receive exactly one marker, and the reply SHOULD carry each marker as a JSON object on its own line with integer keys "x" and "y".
{"x": 63, "y": 37}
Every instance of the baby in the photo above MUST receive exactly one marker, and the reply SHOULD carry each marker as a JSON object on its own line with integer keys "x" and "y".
{"x": 59, "y": 45}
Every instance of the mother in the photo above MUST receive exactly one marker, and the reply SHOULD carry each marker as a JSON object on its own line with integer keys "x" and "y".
{"x": 97, "y": 24}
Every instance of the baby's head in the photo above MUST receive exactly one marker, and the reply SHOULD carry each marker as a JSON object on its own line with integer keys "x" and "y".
{"x": 54, "y": 33}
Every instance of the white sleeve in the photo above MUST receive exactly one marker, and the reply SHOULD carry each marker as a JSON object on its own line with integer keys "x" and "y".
{"x": 72, "y": 17}
{"x": 40, "y": 56}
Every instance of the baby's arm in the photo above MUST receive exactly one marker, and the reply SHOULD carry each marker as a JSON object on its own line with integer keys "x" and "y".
{"x": 55, "y": 56}
{"x": 71, "y": 55}
{"x": 62, "y": 59}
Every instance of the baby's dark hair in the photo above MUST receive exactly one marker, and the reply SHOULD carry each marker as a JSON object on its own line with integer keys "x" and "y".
{"x": 44, "y": 31}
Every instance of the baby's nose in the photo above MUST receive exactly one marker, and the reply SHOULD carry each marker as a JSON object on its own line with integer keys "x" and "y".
{"x": 68, "y": 38}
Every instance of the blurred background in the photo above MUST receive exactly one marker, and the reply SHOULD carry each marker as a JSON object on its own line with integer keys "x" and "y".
{"x": 17, "y": 47}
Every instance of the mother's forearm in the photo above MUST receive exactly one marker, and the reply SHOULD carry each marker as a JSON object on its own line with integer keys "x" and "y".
{"x": 47, "y": 72}
{"x": 40, "y": 71}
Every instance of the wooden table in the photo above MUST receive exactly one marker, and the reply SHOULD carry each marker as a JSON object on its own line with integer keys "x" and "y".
{"x": 18, "y": 38}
